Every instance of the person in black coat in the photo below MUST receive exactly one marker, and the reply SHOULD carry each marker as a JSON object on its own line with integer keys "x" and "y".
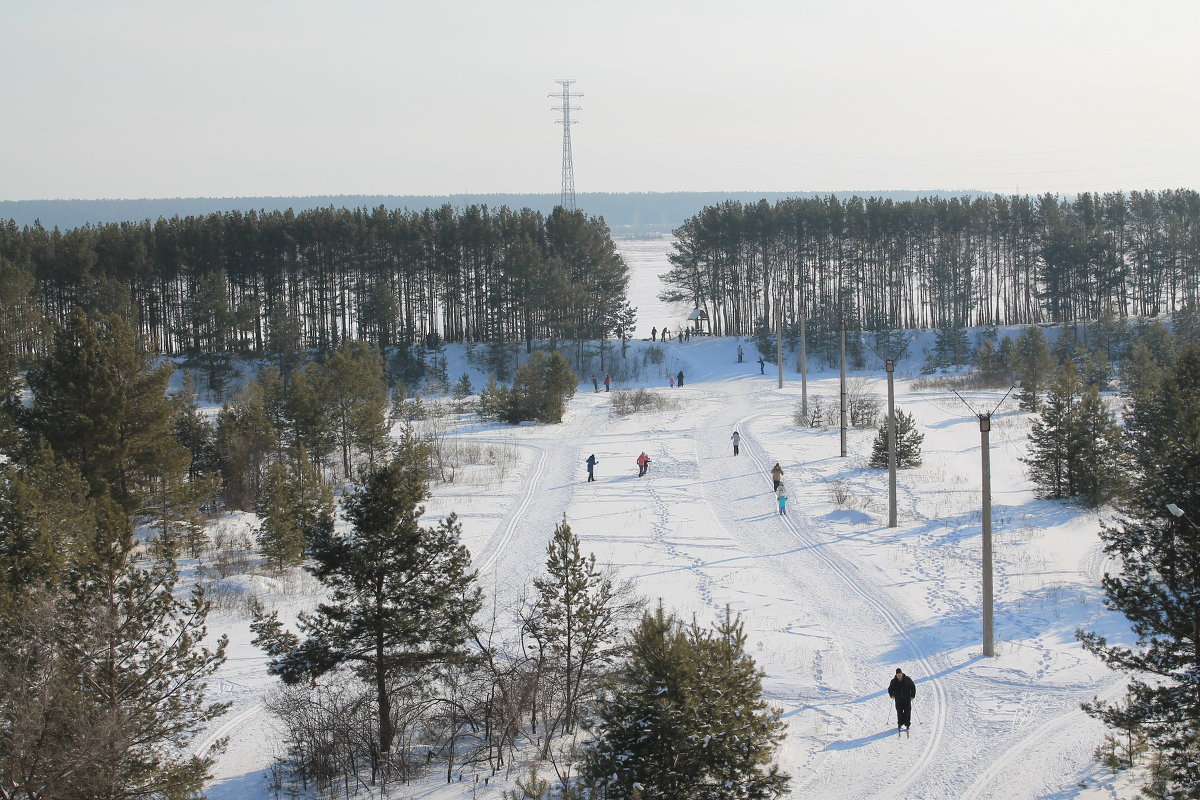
{"x": 902, "y": 690}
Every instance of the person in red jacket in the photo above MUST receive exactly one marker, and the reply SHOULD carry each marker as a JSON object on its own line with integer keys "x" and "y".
{"x": 643, "y": 462}
{"x": 902, "y": 690}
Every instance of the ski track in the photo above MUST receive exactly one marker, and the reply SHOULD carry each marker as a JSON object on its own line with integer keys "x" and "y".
{"x": 851, "y": 619}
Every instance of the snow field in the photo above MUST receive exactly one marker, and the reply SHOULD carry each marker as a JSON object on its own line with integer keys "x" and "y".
{"x": 833, "y": 600}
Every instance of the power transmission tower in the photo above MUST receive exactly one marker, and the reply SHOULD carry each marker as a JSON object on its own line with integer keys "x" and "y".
{"x": 568, "y": 169}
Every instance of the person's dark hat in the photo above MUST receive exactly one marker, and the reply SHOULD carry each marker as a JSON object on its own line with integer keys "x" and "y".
{"x": 899, "y": 671}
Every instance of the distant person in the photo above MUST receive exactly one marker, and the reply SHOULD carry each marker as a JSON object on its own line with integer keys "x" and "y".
{"x": 666, "y": 333}
{"x": 902, "y": 690}
{"x": 591, "y": 466}
{"x": 736, "y": 438}
{"x": 762, "y": 366}
{"x": 776, "y": 476}
{"x": 671, "y": 381}
{"x": 643, "y": 462}
{"x": 782, "y": 500}
{"x": 739, "y": 354}
{"x": 654, "y": 334}
{"x": 687, "y": 334}
{"x": 607, "y": 382}
{"x": 679, "y": 379}
{"x": 595, "y": 384}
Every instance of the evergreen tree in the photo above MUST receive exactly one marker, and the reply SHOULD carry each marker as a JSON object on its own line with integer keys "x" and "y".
{"x": 401, "y": 596}
{"x": 358, "y": 401}
{"x": 296, "y": 507}
{"x": 540, "y": 391}
{"x": 908, "y": 443}
{"x": 102, "y": 670}
{"x": 246, "y": 440}
{"x": 102, "y": 405}
{"x": 991, "y": 365}
{"x": 1075, "y": 444}
{"x": 684, "y": 717}
{"x": 951, "y": 347}
{"x": 576, "y": 622}
{"x": 1159, "y": 554}
{"x": 1033, "y": 364}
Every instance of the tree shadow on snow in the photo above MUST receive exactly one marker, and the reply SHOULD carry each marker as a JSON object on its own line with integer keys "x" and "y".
{"x": 246, "y": 786}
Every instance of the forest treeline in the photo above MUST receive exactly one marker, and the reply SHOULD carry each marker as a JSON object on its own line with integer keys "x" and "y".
{"x": 938, "y": 262}
{"x": 254, "y": 283}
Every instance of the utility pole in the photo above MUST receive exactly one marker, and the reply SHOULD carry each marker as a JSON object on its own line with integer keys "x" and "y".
{"x": 568, "y": 167}
{"x": 890, "y": 366}
{"x": 985, "y": 445}
{"x": 842, "y": 326}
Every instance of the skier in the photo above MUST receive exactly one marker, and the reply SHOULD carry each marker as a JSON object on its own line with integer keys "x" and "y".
{"x": 666, "y": 333}
{"x": 591, "y": 465}
{"x": 902, "y": 690}
{"x": 762, "y": 366}
{"x": 782, "y": 499}
{"x": 776, "y": 476}
{"x": 643, "y": 462}
{"x": 739, "y": 354}
{"x": 654, "y": 334}
{"x": 737, "y": 439}
{"x": 671, "y": 381}
{"x": 607, "y": 382}
{"x": 679, "y": 378}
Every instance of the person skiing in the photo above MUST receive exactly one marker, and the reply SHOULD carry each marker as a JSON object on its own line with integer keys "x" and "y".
{"x": 739, "y": 354}
{"x": 607, "y": 382}
{"x": 776, "y": 476}
{"x": 654, "y": 334}
{"x": 737, "y": 440}
{"x": 902, "y": 690}
{"x": 591, "y": 465}
{"x": 643, "y": 462}
{"x": 782, "y": 499}
{"x": 762, "y": 366}
{"x": 679, "y": 378}
{"x": 666, "y": 333}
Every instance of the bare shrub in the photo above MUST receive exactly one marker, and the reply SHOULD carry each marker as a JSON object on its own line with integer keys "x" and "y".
{"x": 862, "y": 406}
{"x": 816, "y": 413}
{"x": 232, "y": 552}
{"x": 632, "y": 401}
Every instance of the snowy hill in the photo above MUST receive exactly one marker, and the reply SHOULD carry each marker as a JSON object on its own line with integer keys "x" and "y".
{"x": 833, "y": 599}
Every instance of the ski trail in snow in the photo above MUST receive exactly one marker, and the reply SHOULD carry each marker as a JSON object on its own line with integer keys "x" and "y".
{"x": 804, "y": 533}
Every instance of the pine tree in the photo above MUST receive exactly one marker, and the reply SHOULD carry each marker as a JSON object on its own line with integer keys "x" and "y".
{"x": 1033, "y": 363}
{"x": 576, "y": 622}
{"x": 296, "y": 507}
{"x": 540, "y": 391}
{"x": 1075, "y": 444}
{"x": 358, "y": 401}
{"x": 246, "y": 440}
{"x": 401, "y": 596}
{"x": 102, "y": 668}
{"x": 908, "y": 443}
{"x": 991, "y": 364}
{"x": 101, "y": 404}
{"x": 684, "y": 717}
{"x": 1159, "y": 554}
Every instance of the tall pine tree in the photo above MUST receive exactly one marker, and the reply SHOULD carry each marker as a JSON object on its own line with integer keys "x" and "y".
{"x": 400, "y": 595}
{"x": 1159, "y": 577}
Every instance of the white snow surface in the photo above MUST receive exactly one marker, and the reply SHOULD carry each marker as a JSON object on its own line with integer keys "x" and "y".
{"x": 832, "y": 598}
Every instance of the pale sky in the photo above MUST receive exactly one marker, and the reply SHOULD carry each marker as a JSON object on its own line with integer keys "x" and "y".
{"x": 223, "y": 98}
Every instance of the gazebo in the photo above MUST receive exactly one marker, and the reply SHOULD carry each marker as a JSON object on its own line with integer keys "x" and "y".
{"x": 698, "y": 316}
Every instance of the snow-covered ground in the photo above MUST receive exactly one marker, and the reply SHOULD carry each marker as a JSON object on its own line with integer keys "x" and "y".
{"x": 834, "y": 600}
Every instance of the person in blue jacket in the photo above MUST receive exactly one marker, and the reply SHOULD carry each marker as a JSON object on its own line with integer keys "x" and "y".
{"x": 591, "y": 466}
